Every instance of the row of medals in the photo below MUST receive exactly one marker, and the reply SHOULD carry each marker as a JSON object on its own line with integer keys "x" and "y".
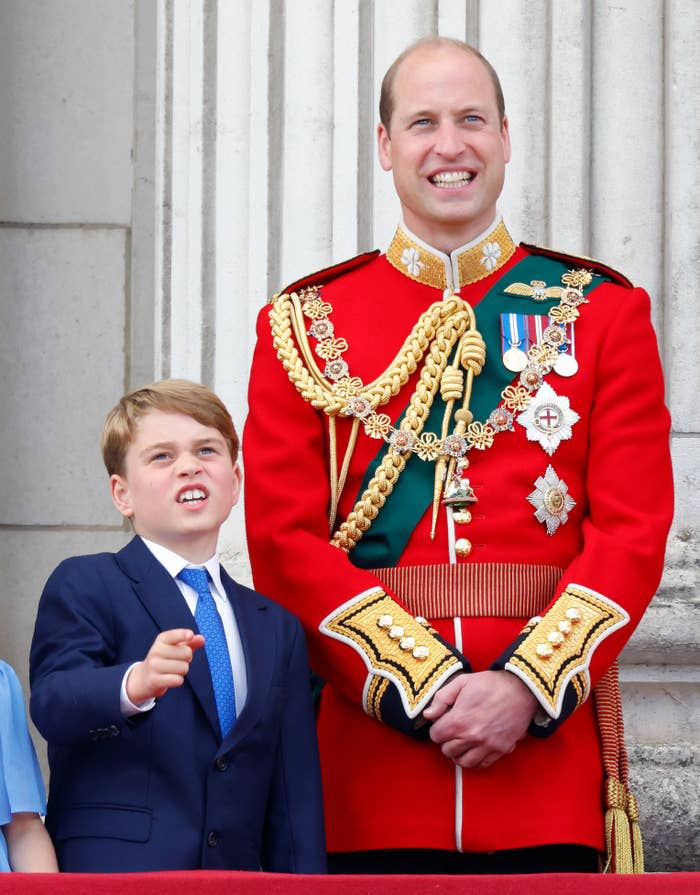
{"x": 515, "y": 360}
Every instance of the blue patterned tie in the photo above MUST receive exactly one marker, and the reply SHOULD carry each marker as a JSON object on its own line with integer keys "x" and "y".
{"x": 210, "y": 625}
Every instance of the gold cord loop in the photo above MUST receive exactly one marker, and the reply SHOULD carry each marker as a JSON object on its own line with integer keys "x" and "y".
{"x": 473, "y": 352}
{"x": 452, "y": 385}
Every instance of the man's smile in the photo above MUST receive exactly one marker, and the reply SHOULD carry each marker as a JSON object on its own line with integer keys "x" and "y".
{"x": 451, "y": 179}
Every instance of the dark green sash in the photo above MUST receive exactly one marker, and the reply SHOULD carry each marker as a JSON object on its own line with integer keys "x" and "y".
{"x": 384, "y": 542}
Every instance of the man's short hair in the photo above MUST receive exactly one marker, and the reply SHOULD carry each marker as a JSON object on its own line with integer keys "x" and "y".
{"x": 386, "y": 96}
{"x": 170, "y": 396}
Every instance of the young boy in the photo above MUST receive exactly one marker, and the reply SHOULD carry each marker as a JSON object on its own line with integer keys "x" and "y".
{"x": 169, "y": 749}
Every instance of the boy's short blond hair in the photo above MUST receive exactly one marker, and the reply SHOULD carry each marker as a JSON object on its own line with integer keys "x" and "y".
{"x": 169, "y": 396}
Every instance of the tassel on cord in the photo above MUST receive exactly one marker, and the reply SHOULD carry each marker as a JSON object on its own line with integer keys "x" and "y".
{"x": 617, "y": 828}
{"x": 623, "y": 838}
{"x": 637, "y": 844}
{"x": 631, "y": 807}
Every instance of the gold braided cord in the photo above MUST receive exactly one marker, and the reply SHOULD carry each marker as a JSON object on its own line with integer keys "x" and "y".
{"x": 472, "y": 360}
{"x": 287, "y": 325}
{"x": 452, "y": 385}
{"x": 473, "y": 352}
{"x": 393, "y": 463}
{"x": 623, "y": 838}
{"x": 336, "y": 393}
{"x": 372, "y": 500}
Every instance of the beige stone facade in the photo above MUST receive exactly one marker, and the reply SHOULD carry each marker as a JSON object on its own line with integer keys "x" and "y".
{"x": 166, "y": 165}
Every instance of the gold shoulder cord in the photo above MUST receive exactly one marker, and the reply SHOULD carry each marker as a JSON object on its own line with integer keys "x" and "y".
{"x": 433, "y": 376}
{"x": 433, "y": 336}
{"x": 446, "y": 323}
{"x": 437, "y": 324}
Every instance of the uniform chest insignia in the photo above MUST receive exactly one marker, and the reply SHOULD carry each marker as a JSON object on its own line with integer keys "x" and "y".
{"x": 514, "y": 342}
{"x": 447, "y": 325}
{"x": 538, "y": 290}
{"x": 523, "y": 334}
{"x": 548, "y": 418}
{"x": 551, "y": 500}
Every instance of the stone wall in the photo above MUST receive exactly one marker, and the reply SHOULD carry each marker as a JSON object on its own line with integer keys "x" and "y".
{"x": 66, "y": 182}
{"x": 166, "y": 165}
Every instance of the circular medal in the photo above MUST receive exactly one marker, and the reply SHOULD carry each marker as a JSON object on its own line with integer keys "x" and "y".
{"x": 515, "y": 360}
{"x": 566, "y": 365}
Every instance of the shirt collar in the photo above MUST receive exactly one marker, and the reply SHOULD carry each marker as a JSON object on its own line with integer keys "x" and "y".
{"x": 174, "y": 563}
{"x": 467, "y": 264}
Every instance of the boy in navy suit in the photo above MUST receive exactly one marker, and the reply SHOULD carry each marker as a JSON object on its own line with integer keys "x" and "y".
{"x": 169, "y": 749}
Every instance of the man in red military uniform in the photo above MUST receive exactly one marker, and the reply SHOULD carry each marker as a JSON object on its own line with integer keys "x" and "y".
{"x": 458, "y": 477}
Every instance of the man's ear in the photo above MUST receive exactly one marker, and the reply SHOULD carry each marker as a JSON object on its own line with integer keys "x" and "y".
{"x": 119, "y": 491}
{"x": 505, "y": 136}
{"x": 384, "y": 147}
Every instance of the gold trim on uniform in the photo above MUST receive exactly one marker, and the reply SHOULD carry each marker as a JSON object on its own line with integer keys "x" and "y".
{"x": 582, "y": 685}
{"x": 375, "y": 691}
{"x": 474, "y": 263}
{"x": 559, "y": 647}
{"x": 490, "y": 589}
{"x": 393, "y": 645}
{"x": 448, "y": 322}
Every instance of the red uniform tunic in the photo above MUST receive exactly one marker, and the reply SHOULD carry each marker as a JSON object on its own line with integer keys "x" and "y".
{"x": 601, "y": 563}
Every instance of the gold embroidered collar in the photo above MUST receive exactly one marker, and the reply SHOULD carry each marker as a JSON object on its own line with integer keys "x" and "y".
{"x": 468, "y": 264}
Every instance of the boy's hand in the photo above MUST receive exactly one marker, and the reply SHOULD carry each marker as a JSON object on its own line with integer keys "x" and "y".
{"x": 165, "y": 666}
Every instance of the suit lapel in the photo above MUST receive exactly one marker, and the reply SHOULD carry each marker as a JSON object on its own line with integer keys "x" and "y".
{"x": 258, "y": 650}
{"x": 163, "y": 601}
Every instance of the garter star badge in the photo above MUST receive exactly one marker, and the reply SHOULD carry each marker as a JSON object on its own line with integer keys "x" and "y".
{"x": 548, "y": 418}
{"x": 551, "y": 500}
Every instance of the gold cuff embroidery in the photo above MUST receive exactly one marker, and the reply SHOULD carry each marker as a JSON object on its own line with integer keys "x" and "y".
{"x": 394, "y": 646}
{"x": 376, "y": 688}
{"x": 557, "y": 650}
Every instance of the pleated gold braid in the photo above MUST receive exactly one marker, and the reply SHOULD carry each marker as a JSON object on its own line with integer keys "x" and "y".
{"x": 433, "y": 337}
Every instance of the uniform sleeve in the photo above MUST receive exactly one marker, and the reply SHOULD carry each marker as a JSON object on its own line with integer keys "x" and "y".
{"x": 608, "y": 585}
{"x": 359, "y": 637}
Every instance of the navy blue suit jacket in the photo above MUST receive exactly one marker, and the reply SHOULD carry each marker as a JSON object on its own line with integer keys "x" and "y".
{"x": 160, "y": 790}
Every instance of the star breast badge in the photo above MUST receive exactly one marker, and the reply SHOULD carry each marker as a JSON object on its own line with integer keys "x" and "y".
{"x": 548, "y": 418}
{"x": 551, "y": 500}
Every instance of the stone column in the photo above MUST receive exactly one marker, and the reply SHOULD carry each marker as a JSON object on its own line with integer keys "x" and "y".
{"x": 165, "y": 167}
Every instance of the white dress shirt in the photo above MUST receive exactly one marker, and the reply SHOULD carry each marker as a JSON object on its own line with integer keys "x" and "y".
{"x": 174, "y": 564}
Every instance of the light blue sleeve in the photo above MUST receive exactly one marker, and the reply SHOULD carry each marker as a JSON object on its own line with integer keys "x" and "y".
{"x": 21, "y": 783}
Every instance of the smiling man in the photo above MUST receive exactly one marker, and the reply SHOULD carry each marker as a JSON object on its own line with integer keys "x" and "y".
{"x": 444, "y": 136}
{"x": 448, "y": 455}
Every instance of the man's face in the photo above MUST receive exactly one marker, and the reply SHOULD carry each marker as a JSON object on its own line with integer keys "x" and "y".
{"x": 447, "y": 147}
{"x": 179, "y": 483}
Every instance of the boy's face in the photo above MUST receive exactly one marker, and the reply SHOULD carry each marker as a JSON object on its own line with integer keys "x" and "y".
{"x": 179, "y": 484}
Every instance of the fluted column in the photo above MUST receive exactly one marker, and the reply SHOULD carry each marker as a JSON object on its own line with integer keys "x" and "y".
{"x": 268, "y": 170}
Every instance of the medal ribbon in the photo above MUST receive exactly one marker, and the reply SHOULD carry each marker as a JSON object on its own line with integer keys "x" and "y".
{"x": 513, "y": 331}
